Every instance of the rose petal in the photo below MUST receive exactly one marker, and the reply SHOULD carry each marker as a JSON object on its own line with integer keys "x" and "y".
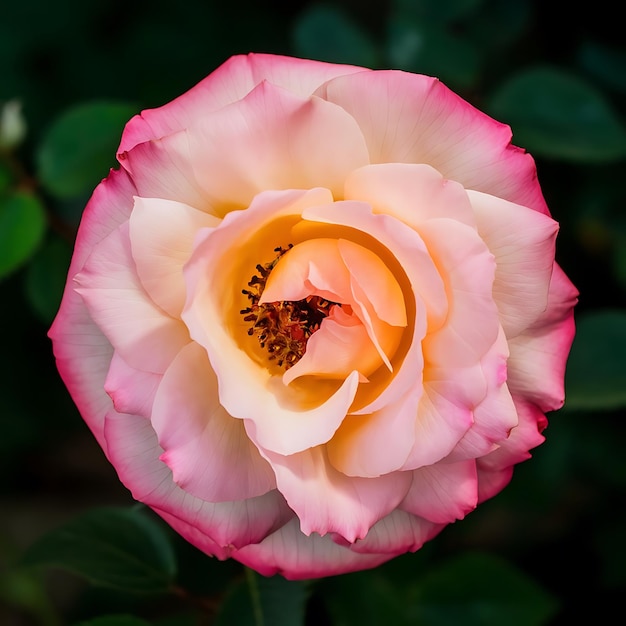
{"x": 275, "y": 140}
{"x": 495, "y": 415}
{"x": 409, "y": 118}
{"x": 397, "y": 533}
{"x": 338, "y": 348}
{"x": 467, "y": 267}
{"x": 376, "y": 444}
{"x": 522, "y": 242}
{"x": 135, "y": 454}
{"x": 131, "y": 390}
{"x": 162, "y": 233}
{"x": 144, "y": 335}
{"x": 411, "y": 192}
{"x": 229, "y": 83}
{"x": 162, "y": 168}
{"x": 296, "y": 557}
{"x": 327, "y": 501}
{"x": 443, "y": 493}
{"x": 538, "y": 355}
{"x": 207, "y": 450}
{"x": 82, "y": 352}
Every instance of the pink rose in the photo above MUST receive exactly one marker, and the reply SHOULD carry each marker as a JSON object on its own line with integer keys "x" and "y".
{"x": 315, "y": 316}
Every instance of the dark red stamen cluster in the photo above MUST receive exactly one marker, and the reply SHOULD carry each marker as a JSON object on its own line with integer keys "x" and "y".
{"x": 283, "y": 328}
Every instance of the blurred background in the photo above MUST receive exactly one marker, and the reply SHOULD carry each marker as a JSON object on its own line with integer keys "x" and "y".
{"x": 550, "y": 548}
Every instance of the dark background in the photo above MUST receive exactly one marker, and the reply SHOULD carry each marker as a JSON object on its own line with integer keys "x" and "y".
{"x": 561, "y": 521}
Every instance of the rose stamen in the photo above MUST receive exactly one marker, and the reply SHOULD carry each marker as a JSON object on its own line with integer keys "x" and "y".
{"x": 282, "y": 328}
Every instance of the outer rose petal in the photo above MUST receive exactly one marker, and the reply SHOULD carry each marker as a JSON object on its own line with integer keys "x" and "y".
{"x": 162, "y": 233}
{"x": 539, "y": 354}
{"x": 229, "y": 83}
{"x": 443, "y": 493}
{"x": 297, "y": 557}
{"x": 207, "y": 450}
{"x": 131, "y": 390}
{"x": 522, "y": 242}
{"x": 408, "y": 118}
{"x": 276, "y": 140}
{"x": 495, "y": 469}
{"x": 82, "y": 352}
{"x": 145, "y": 336}
{"x": 327, "y": 501}
{"x": 135, "y": 454}
{"x": 162, "y": 168}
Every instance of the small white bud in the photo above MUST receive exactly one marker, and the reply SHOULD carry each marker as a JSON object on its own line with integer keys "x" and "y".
{"x": 12, "y": 124}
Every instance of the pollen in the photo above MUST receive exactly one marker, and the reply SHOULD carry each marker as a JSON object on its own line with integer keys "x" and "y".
{"x": 282, "y": 328}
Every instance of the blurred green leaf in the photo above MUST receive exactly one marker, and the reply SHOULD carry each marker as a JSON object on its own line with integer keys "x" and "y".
{"x": 498, "y": 24}
{"x": 480, "y": 589}
{"x": 471, "y": 589}
{"x": 22, "y": 226}
{"x": 45, "y": 277}
{"x": 606, "y": 63}
{"x": 596, "y": 370}
{"x": 436, "y": 10}
{"x": 426, "y": 48}
{"x": 559, "y": 115}
{"x": 111, "y": 547}
{"x": 326, "y": 33}
{"x": 79, "y": 148}
{"x": 262, "y": 601}
{"x": 114, "y": 620}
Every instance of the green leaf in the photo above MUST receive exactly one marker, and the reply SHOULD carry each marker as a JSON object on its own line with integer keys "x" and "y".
{"x": 326, "y": 33}
{"x": 426, "y": 48}
{"x": 114, "y": 620}
{"x": 22, "y": 226}
{"x": 559, "y": 115}
{"x": 110, "y": 547}
{"x": 79, "y": 148}
{"x": 265, "y": 601}
{"x": 606, "y": 63}
{"x": 596, "y": 370}
{"x": 478, "y": 589}
{"x": 436, "y": 10}
{"x": 45, "y": 277}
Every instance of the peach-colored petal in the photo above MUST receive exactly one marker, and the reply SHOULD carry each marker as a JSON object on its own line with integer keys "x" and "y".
{"x": 162, "y": 168}
{"x": 410, "y": 192}
{"x": 207, "y": 450}
{"x": 162, "y": 233}
{"x": 341, "y": 346}
{"x": 135, "y": 454}
{"x": 539, "y": 354}
{"x": 228, "y": 83}
{"x": 275, "y": 140}
{"x": 397, "y": 533}
{"x": 442, "y": 419}
{"x": 144, "y": 335}
{"x": 409, "y": 118}
{"x": 442, "y": 493}
{"x": 495, "y": 415}
{"x": 297, "y": 557}
{"x": 82, "y": 352}
{"x": 379, "y": 443}
{"x": 467, "y": 267}
{"x": 426, "y": 285}
{"x": 522, "y": 242}
{"x": 327, "y": 501}
{"x": 131, "y": 390}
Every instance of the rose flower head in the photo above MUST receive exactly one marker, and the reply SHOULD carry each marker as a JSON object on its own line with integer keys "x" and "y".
{"x": 315, "y": 315}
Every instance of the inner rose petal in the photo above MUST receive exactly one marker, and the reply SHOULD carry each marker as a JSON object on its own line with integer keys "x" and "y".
{"x": 345, "y": 273}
